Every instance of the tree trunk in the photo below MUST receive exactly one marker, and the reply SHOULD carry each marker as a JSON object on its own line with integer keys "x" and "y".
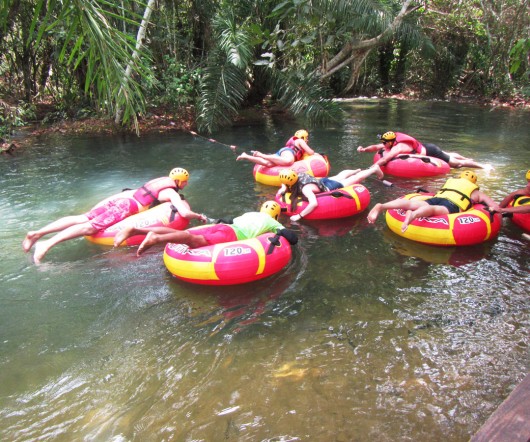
{"x": 139, "y": 42}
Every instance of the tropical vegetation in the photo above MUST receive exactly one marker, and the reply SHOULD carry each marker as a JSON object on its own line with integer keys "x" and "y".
{"x": 117, "y": 59}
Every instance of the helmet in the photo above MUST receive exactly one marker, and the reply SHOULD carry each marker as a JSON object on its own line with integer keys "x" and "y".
{"x": 302, "y": 133}
{"x": 271, "y": 208}
{"x": 179, "y": 174}
{"x": 528, "y": 176}
{"x": 468, "y": 175}
{"x": 388, "y": 136}
{"x": 288, "y": 177}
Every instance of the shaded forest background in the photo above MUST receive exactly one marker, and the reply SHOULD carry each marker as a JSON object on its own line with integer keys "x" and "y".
{"x": 204, "y": 61}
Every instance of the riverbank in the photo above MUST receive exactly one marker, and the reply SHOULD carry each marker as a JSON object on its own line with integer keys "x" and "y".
{"x": 164, "y": 121}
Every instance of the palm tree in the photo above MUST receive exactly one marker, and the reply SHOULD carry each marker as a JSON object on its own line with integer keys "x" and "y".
{"x": 94, "y": 37}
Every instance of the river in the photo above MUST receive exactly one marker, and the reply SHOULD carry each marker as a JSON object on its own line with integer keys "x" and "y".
{"x": 365, "y": 336}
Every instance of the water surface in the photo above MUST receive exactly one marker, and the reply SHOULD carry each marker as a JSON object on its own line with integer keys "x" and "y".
{"x": 365, "y": 336}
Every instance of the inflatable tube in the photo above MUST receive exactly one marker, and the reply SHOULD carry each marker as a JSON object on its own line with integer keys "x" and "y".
{"x": 235, "y": 262}
{"x": 316, "y": 165}
{"x": 339, "y": 203}
{"x": 414, "y": 166}
{"x": 521, "y": 219}
{"x": 473, "y": 226}
{"x": 164, "y": 214}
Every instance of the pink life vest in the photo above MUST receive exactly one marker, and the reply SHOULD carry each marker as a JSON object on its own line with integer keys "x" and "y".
{"x": 147, "y": 195}
{"x": 297, "y": 151}
{"x": 416, "y": 146}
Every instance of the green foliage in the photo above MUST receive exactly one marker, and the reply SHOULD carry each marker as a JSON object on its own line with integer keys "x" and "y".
{"x": 224, "y": 55}
{"x": 176, "y": 86}
{"x": 12, "y": 117}
{"x": 519, "y": 57}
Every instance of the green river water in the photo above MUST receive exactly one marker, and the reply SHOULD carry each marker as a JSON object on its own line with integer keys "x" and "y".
{"x": 365, "y": 336}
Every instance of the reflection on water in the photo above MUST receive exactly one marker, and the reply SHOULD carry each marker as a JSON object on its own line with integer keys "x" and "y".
{"x": 365, "y": 336}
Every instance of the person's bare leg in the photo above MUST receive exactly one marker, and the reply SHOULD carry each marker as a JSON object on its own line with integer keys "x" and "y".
{"x": 399, "y": 203}
{"x": 255, "y": 159}
{"x": 75, "y": 231}
{"x": 177, "y": 236}
{"x": 286, "y": 159}
{"x": 360, "y": 176}
{"x": 469, "y": 163}
{"x": 344, "y": 174}
{"x": 457, "y": 156}
{"x": 129, "y": 231}
{"x": 424, "y": 211}
{"x": 62, "y": 223}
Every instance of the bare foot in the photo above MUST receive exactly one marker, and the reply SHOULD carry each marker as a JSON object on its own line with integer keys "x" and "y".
{"x": 29, "y": 240}
{"x": 243, "y": 156}
{"x": 526, "y": 236}
{"x": 405, "y": 224}
{"x": 122, "y": 235}
{"x": 378, "y": 172}
{"x": 374, "y": 213}
{"x": 41, "y": 248}
{"x": 150, "y": 240}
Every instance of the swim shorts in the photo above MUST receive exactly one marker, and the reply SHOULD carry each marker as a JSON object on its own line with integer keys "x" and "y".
{"x": 433, "y": 150}
{"x": 216, "y": 234}
{"x": 111, "y": 212}
{"x": 452, "y": 207}
{"x": 331, "y": 184}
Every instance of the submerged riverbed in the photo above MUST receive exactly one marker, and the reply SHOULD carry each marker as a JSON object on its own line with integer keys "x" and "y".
{"x": 365, "y": 336}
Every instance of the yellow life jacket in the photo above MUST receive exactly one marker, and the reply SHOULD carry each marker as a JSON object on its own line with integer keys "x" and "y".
{"x": 458, "y": 191}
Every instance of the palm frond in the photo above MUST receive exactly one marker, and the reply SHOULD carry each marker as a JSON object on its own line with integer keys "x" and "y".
{"x": 223, "y": 89}
{"x": 304, "y": 96}
{"x": 234, "y": 40}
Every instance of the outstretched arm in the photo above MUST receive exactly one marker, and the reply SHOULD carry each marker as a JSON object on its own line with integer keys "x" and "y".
{"x": 176, "y": 200}
{"x": 511, "y": 196}
{"x": 481, "y": 197}
{"x": 371, "y": 148}
{"x": 518, "y": 209}
{"x": 398, "y": 149}
{"x": 312, "y": 204}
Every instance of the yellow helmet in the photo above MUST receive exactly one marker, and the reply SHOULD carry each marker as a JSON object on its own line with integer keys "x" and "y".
{"x": 302, "y": 133}
{"x": 271, "y": 208}
{"x": 179, "y": 174}
{"x": 288, "y": 177}
{"x": 388, "y": 136}
{"x": 528, "y": 176}
{"x": 470, "y": 176}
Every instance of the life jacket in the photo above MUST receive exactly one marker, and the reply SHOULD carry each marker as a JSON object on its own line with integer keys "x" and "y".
{"x": 416, "y": 146}
{"x": 298, "y": 152}
{"x": 303, "y": 180}
{"x": 147, "y": 195}
{"x": 458, "y": 191}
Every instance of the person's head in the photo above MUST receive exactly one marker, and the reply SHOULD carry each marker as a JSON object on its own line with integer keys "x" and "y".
{"x": 303, "y": 134}
{"x": 271, "y": 208}
{"x": 288, "y": 177}
{"x": 180, "y": 176}
{"x": 388, "y": 138}
{"x": 470, "y": 176}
